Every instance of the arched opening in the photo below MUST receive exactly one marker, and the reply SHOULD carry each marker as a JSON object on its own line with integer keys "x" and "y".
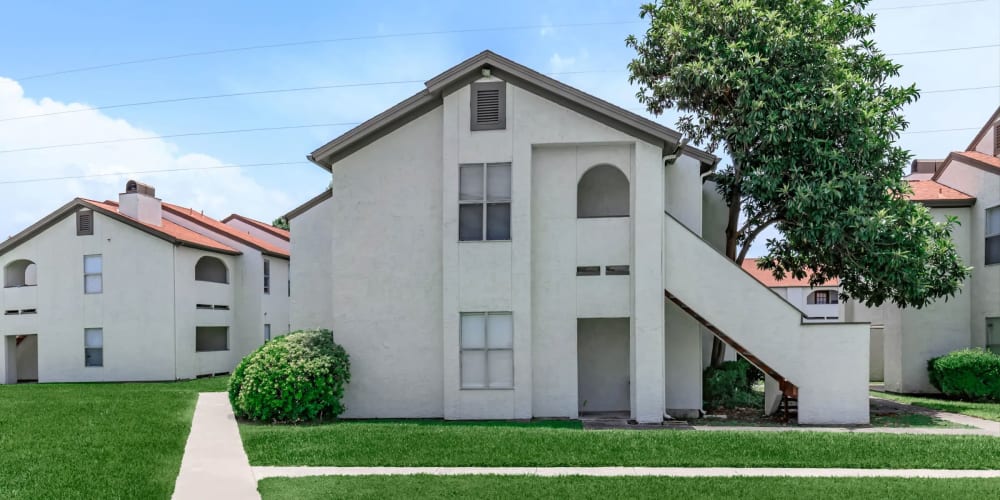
{"x": 211, "y": 269}
{"x": 21, "y": 272}
{"x": 602, "y": 192}
{"x": 822, "y": 297}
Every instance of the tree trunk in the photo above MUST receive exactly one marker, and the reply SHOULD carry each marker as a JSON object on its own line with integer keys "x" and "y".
{"x": 732, "y": 242}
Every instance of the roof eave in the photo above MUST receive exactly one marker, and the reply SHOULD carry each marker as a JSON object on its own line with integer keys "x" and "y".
{"x": 965, "y": 202}
{"x": 305, "y": 207}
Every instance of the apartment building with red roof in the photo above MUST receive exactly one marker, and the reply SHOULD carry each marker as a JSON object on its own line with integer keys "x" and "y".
{"x": 136, "y": 289}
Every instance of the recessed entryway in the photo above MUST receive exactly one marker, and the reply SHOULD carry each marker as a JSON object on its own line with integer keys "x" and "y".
{"x": 21, "y": 358}
{"x": 603, "y": 365}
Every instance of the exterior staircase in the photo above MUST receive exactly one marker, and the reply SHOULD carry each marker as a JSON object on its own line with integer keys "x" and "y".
{"x": 789, "y": 392}
{"x": 819, "y": 370}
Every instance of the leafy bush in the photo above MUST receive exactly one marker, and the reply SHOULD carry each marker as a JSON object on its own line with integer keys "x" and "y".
{"x": 972, "y": 374}
{"x": 731, "y": 385}
{"x": 292, "y": 378}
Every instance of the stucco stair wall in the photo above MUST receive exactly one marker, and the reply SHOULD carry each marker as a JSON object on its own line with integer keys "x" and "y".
{"x": 827, "y": 362}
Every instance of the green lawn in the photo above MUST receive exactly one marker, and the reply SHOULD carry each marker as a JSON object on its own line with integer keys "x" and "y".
{"x": 436, "y": 443}
{"x": 95, "y": 440}
{"x": 989, "y": 411}
{"x": 527, "y": 487}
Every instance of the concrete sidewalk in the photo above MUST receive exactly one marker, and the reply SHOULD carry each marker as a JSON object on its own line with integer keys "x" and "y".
{"x": 214, "y": 464}
{"x": 265, "y": 472}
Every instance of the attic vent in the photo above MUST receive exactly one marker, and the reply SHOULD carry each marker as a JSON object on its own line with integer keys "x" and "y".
{"x": 996, "y": 140}
{"x": 489, "y": 106}
{"x": 85, "y": 222}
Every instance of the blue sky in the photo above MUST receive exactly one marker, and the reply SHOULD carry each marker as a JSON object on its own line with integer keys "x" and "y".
{"x": 41, "y": 37}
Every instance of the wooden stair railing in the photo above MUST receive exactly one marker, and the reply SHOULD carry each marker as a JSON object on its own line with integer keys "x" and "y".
{"x": 789, "y": 392}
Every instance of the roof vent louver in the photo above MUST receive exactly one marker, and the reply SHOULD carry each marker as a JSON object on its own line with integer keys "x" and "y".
{"x": 489, "y": 106}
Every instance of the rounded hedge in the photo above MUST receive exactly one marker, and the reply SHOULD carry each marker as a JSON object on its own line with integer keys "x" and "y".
{"x": 972, "y": 374}
{"x": 292, "y": 378}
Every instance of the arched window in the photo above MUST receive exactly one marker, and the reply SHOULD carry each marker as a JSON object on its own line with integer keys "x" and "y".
{"x": 822, "y": 297}
{"x": 211, "y": 269}
{"x": 602, "y": 192}
{"x": 20, "y": 273}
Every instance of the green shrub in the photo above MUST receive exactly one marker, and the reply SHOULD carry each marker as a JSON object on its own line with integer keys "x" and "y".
{"x": 293, "y": 378}
{"x": 731, "y": 385}
{"x": 971, "y": 374}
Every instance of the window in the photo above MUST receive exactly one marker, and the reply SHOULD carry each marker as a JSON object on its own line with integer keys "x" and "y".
{"x": 487, "y": 351}
{"x": 211, "y": 338}
{"x": 822, "y": 297}
{"x": 616, "y": 271}
{"x": 993, "y": 235}
{"x": 489, "y": 106}
{"x": 85, "y": 223}
{"x": 267, "y": 332}
{"x": 92, "y": 274}
{"x": 603, "y": 191}
{"x": 484, "y": 202}
{"x": 267, "y": 276}
{"x": 93, "y": 347}
{"x": 993, "y": 334}
{"x": 996, "y": 140}
{"x": 20, "y": 273}
{"x": 211, "y": 269}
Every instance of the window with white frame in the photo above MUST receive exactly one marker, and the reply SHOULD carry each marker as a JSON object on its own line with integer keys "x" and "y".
{"x": 822, "y": 297}
{"x": 267, "y": 276}
{"x": 487, "y": 350}
{"x": 484, "y": 202}
{"x": 267, "y": 332}
{"x": 993, "y": 235}
{"x": 93, "y": 347}
{"x": 93, "y": 267}
{"x": 993, "y": 334}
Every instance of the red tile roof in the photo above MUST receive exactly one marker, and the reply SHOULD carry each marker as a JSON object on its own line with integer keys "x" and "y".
{"x": 991, "y": 161}
{"x": 224, "y": 230}
{"x": 934, "y": 191}
{"x": 169, "y": 229}
{"x": 263, "y": 226}
{"x": 766, "y": 278}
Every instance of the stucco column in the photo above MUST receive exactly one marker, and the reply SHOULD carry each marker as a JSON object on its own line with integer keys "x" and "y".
{"x": 647, "y": 325}
{"x": 8, "y": 360}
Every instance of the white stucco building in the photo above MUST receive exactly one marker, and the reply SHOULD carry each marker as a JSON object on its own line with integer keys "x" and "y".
{"x": 137, "y": 289}
{"x": 965, "y": 185}
{"x": 817, "y": 304}
{"x": 503, "y": 246}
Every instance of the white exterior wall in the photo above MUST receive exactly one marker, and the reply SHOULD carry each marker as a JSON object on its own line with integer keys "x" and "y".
{"x": 189, "y": 293}
{"x": 312, "y": 244}
{"x": 385, "y": 283}
{"x": 135, "y": 310}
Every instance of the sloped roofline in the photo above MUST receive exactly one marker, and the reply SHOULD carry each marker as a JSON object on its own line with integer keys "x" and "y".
{"x": 521, "y": 76}
{"x": 968, "y": 160}
{"x": 305, "y": 207}
{"x": 250, "y": 241}
{"x": 982, "y": 131}
{"x": 75, "y": 205}
{"x": 263, "y": 226}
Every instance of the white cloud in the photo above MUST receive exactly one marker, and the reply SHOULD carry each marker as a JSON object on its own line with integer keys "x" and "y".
{"x": 547, "y": 29}
{"x": 217, "y": 192}
{"x": 559, "y": 63}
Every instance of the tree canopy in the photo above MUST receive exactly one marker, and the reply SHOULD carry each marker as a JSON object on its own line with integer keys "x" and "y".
{"x": 280, "y": 223}
{"x": 800, "y": 97}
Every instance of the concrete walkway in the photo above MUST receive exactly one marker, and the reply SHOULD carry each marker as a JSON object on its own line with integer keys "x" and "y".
{"x": 265, "y": 472}
{"x": 988, "y": 426}
{"x": 214, "y": 464}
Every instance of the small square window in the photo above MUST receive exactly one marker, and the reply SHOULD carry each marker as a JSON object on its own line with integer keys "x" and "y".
{"x": 486, "y": 351}
{"x": 484, "y": 202}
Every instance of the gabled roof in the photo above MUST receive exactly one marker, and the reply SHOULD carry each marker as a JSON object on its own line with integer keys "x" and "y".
{"x": 522, "y": 77}
{"x": 303, "y": 208}
{"x": 984, "y": 130}
{"x": 975, "y": 159}
{"x": 936, "y": 195}
{"x": 224, "y": 230}
{"x": 263, "y": 226}
{"x": 169, "y": 231}
{"x": 766, "y": 278}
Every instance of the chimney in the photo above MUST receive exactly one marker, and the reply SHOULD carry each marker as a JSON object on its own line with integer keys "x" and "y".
{"x": 925, "y": 166}
{"x": 139, "y": 202}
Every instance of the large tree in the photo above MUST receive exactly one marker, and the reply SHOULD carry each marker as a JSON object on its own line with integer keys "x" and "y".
{"x": 801, "y": 99}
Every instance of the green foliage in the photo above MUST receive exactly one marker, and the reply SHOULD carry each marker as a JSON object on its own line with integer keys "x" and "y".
{"x": 970, "y": 374}
{"x": 730, "y": 384}
{"x": 280, "y": 223}
{"x": 800, "y": 96}
{"x": 293, "y": 378}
